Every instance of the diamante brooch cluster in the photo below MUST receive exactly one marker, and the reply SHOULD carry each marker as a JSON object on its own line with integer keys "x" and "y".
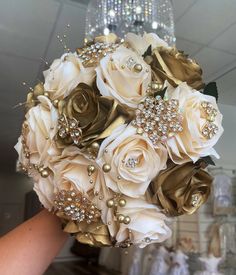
{"x": 158, "y": 119}
{"x": 69, "y": 128}
{"x": 91, "y": 54}
{"x": 209, "y": 129}
{"x": 76, "y": 207}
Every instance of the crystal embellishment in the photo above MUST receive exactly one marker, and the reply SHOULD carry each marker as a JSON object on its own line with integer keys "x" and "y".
{"x": 195, "y": 200}
{"x": 132, "y": 163}
{"x": 158, "y": 119}
{"x": 69, "y": 128}
{"x": 209, "y": 129}
{"x": 91, "y": 54}
{"x": 76, "y": 207}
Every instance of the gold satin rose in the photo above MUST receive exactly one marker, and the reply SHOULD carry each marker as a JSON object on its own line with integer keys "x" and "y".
{"x": 97, "y": 116}
{"x": 175, "y": 67}
{"x": 181, "y": 189}
{"x": 94, "y": 234}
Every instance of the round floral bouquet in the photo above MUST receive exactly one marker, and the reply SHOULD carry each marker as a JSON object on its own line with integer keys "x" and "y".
{"x": 117, "y": 138}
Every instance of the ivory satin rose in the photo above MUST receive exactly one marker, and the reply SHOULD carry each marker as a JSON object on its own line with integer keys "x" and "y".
{"x": 71, "y": 171}
{"x": 190, "y": 144}
{"x": 117, "y": 77}
{"x": 133, "y": 160}
{"x": 39, "y": 136}
{"x": 65, "y": 74}
{"x": 141, "y": 43}
{"x": 41, "y": 122}
{"x": 147, "y": 224}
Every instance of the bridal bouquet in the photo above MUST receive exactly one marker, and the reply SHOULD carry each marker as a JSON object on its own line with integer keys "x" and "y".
{"x": 117, "y": 138}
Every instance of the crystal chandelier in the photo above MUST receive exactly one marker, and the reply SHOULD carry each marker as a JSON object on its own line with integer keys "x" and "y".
{"x": 123, "y": 16}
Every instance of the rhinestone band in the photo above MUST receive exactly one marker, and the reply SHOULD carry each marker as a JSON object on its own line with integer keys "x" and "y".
{"x": 158, "y": 119}
{"x": 76, "y": 207}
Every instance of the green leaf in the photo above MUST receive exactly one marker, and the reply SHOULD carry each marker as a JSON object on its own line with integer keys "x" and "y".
{"x": 211, "y": 89}
{"x": 148, "y": 52}
{"x": 208, "y": 160}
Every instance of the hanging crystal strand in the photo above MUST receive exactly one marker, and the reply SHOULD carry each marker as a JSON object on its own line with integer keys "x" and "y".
{"x": 123, "y": 16}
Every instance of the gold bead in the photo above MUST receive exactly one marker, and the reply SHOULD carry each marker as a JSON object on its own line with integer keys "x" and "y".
{"x": 121, "y": 218}
{"x": 156, "y": 86}
{"x": 44, "y": 174}
{"x": 95, "y": 145}
{"x": 55, "y": 102}
{"x": 122, "y": 202}
{"x": 106, "y": 168}
{"x": 41, "y": 169}
{"x": 138, "y": 68}
{"x": 122, "y": 66}
{"x": 127, "y": 220}
{"x": 91, "y": 169}
{"x": 46, "y": 94}
{"x": 27, "y": 155}
{"x": 110, "y": 203}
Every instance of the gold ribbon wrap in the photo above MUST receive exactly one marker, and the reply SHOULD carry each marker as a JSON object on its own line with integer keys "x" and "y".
{"x": 181, "y": 189}
{"x": 175, "y": 67}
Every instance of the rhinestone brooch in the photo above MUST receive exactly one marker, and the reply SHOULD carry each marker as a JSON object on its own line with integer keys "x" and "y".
{"x": 158, "y": 119}
{"x": 209, "y": 129}
{"x": 69, "y": 128}
{"x": 76, "y": 207}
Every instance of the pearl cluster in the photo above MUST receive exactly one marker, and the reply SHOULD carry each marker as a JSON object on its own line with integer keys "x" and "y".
{"x": 114, "y": 203}
{"x": 76, "y": 207}
{"x": 91, "y": 54}
{"x": 210, "y": 128}
{"x": 158, "y": 119}
{"x": 69, "y": 128}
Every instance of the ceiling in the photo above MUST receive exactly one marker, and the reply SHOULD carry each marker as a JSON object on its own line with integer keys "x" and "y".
{"x": 206, "y": 29}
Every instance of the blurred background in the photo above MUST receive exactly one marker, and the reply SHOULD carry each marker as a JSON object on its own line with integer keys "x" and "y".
{"x": 206, "y": 29}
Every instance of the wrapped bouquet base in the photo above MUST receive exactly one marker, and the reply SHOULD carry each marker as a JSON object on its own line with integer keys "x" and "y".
{"x": 117, "y": 137}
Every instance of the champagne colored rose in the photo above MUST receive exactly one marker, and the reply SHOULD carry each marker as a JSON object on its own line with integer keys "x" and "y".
{"x": 191, "y": 144}
{"x": 175, "y": 67}
{"x": 65, "y": 74}
{"x": 97, "y": 116}
{"x": 123, "y": 75}
{"x": 141, "y": 43}
{"x": 71, "y": 171}
{"x": 147, "y": 224}
{"x": 132, "y": 159}
{"x": 38, "y": 137}
{"x": 41, "y": 129}
{"x": 181, "y": 189}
